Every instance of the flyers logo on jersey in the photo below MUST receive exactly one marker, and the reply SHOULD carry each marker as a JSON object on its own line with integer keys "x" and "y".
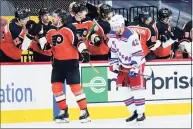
{"x": 57, "y": 39}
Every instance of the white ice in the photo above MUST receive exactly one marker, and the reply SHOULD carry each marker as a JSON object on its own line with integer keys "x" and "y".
{"x": 183, "y": 121}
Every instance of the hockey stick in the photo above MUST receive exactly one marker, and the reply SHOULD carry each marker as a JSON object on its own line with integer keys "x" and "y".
{"x": 94, "y": 68}
{"x": 126, "y": 71}
{"x": 96, "y": 71}
{"x": 91, "y": 30}
{"x": 178, "y": 17}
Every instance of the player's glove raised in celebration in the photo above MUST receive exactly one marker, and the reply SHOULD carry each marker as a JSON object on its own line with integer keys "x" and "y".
{"x": 86, "y": 56}
{"x": 95, "y": 40}
{"x": 134, "y": 69}
{"x": 31, "y": 32}
{"x": 31, "y": 27}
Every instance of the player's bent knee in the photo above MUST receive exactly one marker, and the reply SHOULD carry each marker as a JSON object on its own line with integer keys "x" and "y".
{"x": 77, "y": 91}
{"x": 76, "y": 88}
{"x": 57, "y": 87}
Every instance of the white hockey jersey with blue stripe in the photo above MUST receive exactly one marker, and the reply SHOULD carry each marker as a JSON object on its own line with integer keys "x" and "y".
{"x": 126, "y": 48}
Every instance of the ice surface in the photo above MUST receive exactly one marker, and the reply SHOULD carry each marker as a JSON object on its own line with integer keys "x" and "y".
{"x": 183, "y": 121}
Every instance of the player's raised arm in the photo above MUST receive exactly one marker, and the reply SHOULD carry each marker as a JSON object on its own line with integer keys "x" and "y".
{"x": 91, "y": 32}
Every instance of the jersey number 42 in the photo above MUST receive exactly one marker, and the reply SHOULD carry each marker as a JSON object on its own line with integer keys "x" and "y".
{"x": 135, "y": 42}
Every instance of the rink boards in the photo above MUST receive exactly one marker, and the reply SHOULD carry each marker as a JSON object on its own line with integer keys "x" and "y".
{"x": 26, "y": 94}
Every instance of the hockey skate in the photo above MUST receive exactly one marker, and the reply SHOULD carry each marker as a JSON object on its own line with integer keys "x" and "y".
{"x": 62, "y": 117}
{"x": 140, "y": 119}
{"x": 133, "y": 117}
{"x": 84, "y": 116}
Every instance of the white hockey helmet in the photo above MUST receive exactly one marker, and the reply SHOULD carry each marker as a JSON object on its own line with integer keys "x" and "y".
{"x": 117, "y": 21}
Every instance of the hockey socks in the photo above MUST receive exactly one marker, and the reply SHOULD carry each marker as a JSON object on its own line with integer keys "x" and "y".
{"x": 128, "y": 98}
{"x": 134, "y": 101}
{"x": 139, "y": 101}
{"x": 80, "y": 96}
{"x": 57, "y": 89}
{"x": 130, "y": 104}
{"x": 140, "y": 105}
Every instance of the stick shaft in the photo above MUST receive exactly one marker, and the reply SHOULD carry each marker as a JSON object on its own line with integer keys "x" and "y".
{"x": 94, "y": 68}
{"x": 126, "y": 71}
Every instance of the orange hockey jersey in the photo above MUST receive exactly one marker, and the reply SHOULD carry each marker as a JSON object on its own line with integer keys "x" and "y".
{"x": 146, "y": 35}
{"x": 83, "y": 29}
{"x": 13, "y": 38}
{"x": 63, "y": 42}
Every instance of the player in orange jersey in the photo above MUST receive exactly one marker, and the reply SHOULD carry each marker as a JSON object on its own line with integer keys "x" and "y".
{"x": 146, "y": 34}
{"x": 65, "y": 47}
{"x": 42, "y": 53}
{"x": 13, "y": 41}
{"x": 93, "y": 36}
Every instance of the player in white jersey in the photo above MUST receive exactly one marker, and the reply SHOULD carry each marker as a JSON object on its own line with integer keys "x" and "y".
{"x": 128, "y": 60}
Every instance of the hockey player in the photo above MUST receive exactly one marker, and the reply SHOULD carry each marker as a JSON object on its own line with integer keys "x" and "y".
{"x": 147, "y": 35}
{"x": 71, "y": 14}
{"x": 188, "y": 31}
{"x": 185, "y": 44}
{"x": 13, "y": 41}
{"x": 65, "y": 47}
{"x": 128, "y": 60}
{"x": 165, "y": 34}
{"x": 93, "y": 36}
{"x": 102, "y": 29}
{"x": 82, "y": 23}
{"x": 42, "y": 53}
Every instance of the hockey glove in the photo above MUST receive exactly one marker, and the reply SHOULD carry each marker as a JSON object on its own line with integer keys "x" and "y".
{"x": 176, "y": 33}
{"x": 156, "y": 45}
{"x": 31, "y": 27}
{"x": 95, "y": 40}
{"x": 133, "y": 72}
{"x": 163, "y": 38}
{"x": 187, "y": 47}
{"x": 114, "y": 65}
{"x": 86, "y": 56}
